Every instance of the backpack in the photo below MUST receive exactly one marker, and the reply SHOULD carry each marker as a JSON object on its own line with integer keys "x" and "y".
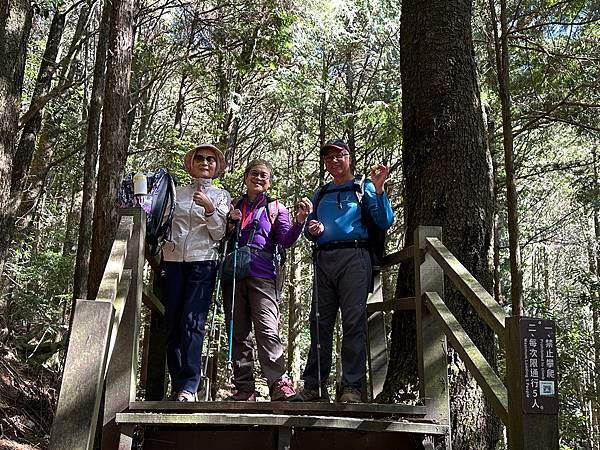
{"x": 159, "y": 204}
{"x": 376, "y": 239}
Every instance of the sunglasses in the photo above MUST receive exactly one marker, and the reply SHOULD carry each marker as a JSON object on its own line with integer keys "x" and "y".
{"x": 202, "y": 158}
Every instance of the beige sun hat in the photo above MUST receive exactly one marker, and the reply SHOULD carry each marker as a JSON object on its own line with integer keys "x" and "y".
{"x": 189, "y": 157}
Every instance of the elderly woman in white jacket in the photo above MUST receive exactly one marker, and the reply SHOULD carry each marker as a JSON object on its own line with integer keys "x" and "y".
{"x": 189, "y": 266}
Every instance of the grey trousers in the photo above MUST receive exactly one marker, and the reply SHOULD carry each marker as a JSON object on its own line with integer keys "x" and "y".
{"x": 343, "y": 281}
{"x": 255, "y": 304}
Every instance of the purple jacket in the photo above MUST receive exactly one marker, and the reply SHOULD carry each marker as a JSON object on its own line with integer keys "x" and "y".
{"x": 266, "y": 235}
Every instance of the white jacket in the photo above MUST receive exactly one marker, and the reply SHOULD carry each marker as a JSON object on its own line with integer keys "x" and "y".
{"x": 195, "y": 237}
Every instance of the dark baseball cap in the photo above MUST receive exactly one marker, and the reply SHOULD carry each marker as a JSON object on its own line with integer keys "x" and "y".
{"x": 335, "y": 144}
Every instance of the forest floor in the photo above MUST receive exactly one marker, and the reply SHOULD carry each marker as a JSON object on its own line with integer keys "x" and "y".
{"x": 26, "y": 404}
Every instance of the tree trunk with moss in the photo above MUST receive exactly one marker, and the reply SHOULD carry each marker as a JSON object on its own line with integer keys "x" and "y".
{"x": 448, "y": 176}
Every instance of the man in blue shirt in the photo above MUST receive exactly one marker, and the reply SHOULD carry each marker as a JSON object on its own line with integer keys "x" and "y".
{"x": 342, "y": 270}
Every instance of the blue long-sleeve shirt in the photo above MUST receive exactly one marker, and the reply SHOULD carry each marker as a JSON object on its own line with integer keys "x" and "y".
{"x": 340, "y": 212}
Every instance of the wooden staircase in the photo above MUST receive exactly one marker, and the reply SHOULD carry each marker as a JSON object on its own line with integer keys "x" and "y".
{"x": 100, "y": 381}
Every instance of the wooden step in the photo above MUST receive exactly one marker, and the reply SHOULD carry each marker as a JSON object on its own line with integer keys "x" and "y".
{"x": 368, "y": 410}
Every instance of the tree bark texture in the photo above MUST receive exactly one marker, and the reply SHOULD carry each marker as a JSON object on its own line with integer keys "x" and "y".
{"x": 15, "y": 25}
{"x": 32, "y": 127}
{"x": 447, "y": 169}
{"x": 113, "y": 138}
{"x": 84, "y": 239}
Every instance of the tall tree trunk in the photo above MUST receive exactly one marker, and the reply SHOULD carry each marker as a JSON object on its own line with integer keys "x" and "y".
{"x": 447, "y": 169}
{"x": 42, "y": 157}
{"x": 113, "y": 138}
{"x": 323, "y": 113}
{"x": 31, "y": 128}
{"x": 595, "y": 269}
{"x": 72, "y": 216}
{"x": 15, "y": 25}
{"x": 502, "y": 68}
{"x": 84, "y": 240}
{"x": 349, "y": 104}
{"x": 180, "y": 106}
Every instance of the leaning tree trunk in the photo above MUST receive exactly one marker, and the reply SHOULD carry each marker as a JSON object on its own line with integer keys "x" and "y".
{"x": 447, "y": 171}
{"x": 15, "y": 24}
{"x": 84, "y": 240}
{"x": 113, "y": 138}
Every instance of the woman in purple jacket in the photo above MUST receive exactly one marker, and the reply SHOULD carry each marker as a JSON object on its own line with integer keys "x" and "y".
{"x": 264, "y": 224}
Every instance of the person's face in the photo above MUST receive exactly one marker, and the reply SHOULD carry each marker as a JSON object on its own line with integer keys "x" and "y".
{"x": 337, "y": 162}
{"x": 258, "y": 180}
{"x": 204, "y": 164}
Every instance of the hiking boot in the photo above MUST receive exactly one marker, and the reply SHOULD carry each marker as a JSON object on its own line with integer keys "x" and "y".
{"x": 351, "y": 395}
{"x": 242, "y": 396}
{"x": 312, "y": 395}
{"x": 185, "y": 396}
{"x": 282, "y": 390}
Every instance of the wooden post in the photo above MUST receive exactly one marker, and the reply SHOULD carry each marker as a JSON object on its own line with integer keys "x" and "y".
{"x": 526, "y": 430}
{"x": 121, "y": 376}
{"x": 81, "y": 388}
{"x": 156, "y": 372}
{"x": 432, "y": 348}
{"x": 377, "y": 350}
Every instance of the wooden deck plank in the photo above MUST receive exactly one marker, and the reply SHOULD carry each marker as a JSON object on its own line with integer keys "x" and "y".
{"x": 290, "y": 407}
{"x": 270, "y": 420}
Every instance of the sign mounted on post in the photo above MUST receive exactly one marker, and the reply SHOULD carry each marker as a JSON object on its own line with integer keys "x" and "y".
{"x": 539, "y": 370}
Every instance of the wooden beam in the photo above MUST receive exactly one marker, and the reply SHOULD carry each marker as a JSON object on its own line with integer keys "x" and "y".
{"x": 432, "y": 348}
{"x": 318, "y": 408}
{"x": 152, "y": 301}
{"x": 119, "y": 306}
{"x": 492, "y": 386}
{"x": 483, "y": 303}
{"x": 81, "y": 387}
{"x": 116, "y": 261}
{"x": 405, "y": 254}
{"x": 121, "y": 376}
{"x": 231, "y": 419}
{"x": 397, "y": 304}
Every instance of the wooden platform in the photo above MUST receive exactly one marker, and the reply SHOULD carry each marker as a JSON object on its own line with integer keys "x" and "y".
{"x": 347, "y": 425}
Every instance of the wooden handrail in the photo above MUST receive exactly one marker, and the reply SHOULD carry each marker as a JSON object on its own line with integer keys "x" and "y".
{"x": 483, "y": 303}
{"x": 492, "y": 386}
{"x": 397, "y": 257}
{"x": 119, "y": 306}
{"x": 116, "y": 261}
{"x": 397, "y": 304}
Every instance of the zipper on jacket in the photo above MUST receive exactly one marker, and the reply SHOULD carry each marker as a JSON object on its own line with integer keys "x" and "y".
{"x": 189, "y": 228}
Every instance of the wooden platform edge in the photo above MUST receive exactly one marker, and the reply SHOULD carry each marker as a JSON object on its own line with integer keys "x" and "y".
{"x": 270, "y": 420}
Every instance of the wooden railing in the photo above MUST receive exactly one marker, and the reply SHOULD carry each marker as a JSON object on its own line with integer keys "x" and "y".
{"x": 102, "y": 356}
{"x": 436, "y": 324}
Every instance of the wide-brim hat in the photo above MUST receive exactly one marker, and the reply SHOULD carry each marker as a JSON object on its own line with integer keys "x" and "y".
{"x": 189, "y": 158}
{"x": 334, "y": 144}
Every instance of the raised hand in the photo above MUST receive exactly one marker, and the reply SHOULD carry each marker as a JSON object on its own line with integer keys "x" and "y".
{"x": 235, "y": 214}
{"x": 303, "y": 209}
{"x": 201, "y": 199}
{"x": 379, "y": 173}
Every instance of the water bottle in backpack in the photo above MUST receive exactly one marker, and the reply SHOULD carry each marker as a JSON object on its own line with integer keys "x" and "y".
{"x": 158, "y": 202}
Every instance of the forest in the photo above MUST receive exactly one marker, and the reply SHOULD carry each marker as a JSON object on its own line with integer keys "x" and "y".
{"x": 91, "y": 90}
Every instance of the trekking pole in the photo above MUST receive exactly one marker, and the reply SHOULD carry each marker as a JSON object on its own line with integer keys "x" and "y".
{"x": 235, "y": 253}
{"x": 316, "y": 301}
{"x": 211, "y": 333}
